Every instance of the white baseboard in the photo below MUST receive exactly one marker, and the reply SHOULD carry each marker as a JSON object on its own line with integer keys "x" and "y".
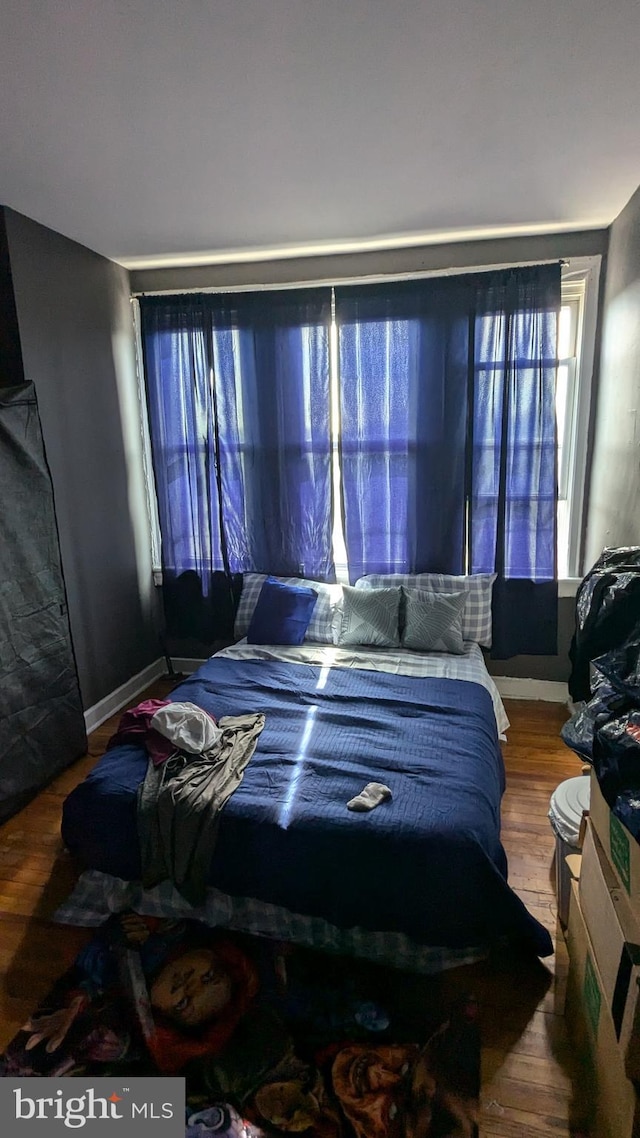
{"x": 514, "y": 687}
{"x": 111, "y": 703}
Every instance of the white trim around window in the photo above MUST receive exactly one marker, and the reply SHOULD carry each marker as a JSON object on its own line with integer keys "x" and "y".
{"x": 580, "y": 287}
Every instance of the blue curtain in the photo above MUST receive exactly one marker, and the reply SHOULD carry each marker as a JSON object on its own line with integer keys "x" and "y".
{"x": 513, "y": 499}
{"x": 448, "y": 445}
{"x": 404, "y": 368}
{"x": 238, "y": 395}
{"x": 448, "y": 437}
{"x": 176, "y": 340}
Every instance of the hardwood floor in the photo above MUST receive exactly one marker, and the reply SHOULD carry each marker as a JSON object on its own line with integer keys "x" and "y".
{"x": 529, "y": 1086}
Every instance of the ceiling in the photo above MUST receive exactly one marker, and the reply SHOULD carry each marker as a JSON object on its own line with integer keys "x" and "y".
{"x": 194, "y": 130}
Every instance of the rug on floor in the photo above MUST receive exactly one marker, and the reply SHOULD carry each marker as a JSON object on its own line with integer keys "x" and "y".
{"x": 271, "y": 1038}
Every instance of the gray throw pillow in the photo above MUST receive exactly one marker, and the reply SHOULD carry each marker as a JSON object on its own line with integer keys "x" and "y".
{"x": 433, "y": 621}
{"x": 370, "y": 616}
{"x": 476, "y": 618}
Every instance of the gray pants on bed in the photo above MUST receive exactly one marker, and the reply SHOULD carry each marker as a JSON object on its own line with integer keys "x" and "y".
{"x": 179, "y": 806}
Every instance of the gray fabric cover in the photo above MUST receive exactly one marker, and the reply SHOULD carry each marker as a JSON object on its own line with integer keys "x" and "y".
{"x": 370, "y": 617}
{"x": 179, "y": 806}
{"x": 433, "y": 621}
{"x": 41, "y": 719}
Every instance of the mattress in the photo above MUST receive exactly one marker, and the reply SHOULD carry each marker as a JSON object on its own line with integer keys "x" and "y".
{"x": 428, "y": 864}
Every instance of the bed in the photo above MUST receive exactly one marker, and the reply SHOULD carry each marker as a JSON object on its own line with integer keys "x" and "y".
{"x": 420, "y": 882}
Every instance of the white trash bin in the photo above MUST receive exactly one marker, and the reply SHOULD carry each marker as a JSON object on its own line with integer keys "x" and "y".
{"x": 568, "y": 803}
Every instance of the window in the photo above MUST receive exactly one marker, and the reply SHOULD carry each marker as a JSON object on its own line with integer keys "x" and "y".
{"x": 576, "y": 344}
{"x": 576, "y": 353}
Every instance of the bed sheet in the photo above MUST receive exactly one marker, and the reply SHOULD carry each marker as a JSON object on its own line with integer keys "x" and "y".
{"x": 97, "y": 895}
{"x": 468, "y": 666}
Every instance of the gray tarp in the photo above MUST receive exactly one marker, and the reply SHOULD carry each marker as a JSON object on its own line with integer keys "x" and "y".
{"x": 41, "y": 720}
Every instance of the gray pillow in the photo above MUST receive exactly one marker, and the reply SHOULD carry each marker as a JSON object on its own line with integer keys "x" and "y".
{"x": 476, "y": 618}
{"x": 433, "y": 621}
{"x": 370, "y": 617}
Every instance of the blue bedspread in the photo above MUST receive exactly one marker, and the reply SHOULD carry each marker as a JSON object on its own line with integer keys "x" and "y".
{"x": 428, "y": 864}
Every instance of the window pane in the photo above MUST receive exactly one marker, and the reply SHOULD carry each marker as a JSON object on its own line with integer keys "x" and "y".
{"x": 564, "y": 332}
{"x": 561, "y": 401}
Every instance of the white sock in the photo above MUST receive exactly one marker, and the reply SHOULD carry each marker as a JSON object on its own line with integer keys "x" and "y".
{"x": 373, "y": 794}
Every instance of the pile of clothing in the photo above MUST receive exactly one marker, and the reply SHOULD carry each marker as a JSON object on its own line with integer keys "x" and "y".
{"x": 195, "y": 765}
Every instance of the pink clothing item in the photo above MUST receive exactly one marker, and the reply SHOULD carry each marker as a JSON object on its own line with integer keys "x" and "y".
{"x": 134, "y": 727}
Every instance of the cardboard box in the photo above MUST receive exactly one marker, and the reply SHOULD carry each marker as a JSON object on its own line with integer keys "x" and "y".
{"x": 603, "y": 1085}
{"x": 620, "y": 846}
{"x": 615, "y": 935}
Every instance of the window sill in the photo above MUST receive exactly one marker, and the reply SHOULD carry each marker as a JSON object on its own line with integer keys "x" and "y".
{"x": 568, "y": 586}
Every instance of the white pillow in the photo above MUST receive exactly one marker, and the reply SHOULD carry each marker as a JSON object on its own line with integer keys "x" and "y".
{"x": 433, "y": 621}
{"x": 324, "y": 621}
{"x": 476, "y": 618}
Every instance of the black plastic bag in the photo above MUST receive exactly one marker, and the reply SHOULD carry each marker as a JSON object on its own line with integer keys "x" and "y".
{"x": 607, "y": 613}
{"x": 616, "y": 758}
{"x": 627, "y": 809}
{"x": 578, "y": 731}
{"x": 616, "y": 689}
{"x": 606, "y": 731}
{"x": 619, "y": 670}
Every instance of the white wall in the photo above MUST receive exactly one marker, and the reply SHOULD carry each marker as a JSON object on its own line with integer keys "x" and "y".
{"x": 613, "y": 511}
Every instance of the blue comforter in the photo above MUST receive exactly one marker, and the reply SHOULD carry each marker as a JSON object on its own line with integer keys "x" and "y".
{"x": 429, "y": 863}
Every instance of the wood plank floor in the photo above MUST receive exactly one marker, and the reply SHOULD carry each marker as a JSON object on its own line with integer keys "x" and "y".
{"x": 529, "y": 1085}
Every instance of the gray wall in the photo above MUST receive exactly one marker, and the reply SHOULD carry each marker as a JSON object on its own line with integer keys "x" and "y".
{"x": 613, "y": 505}
{"x": 11, "y": 370}
{"x": 543, "y": 667}
{"x": 344, "y": 266}
{"x": 74, "y": 316}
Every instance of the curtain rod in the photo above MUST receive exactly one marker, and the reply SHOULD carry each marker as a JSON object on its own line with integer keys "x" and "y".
{"x": 332, "y": 282}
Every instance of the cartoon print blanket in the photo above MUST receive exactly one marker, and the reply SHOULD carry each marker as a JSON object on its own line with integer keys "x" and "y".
{"x": 271, "y": 1039}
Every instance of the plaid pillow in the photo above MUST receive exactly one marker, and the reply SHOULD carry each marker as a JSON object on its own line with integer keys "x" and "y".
{"x": 476, "y": 617}
{"x": 321, "y": 625}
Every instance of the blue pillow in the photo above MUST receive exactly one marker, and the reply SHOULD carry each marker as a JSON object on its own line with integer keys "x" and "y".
{"x": 282, "y": 613}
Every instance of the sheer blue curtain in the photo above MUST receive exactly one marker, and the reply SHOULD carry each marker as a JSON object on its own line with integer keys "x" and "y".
{"x": 513, "y": 501}
{"x": 271, "y": 370}
{"x": 448, "y": 437}
{"x": 404, "y": 370}
{"x": 448, "y": 445}
{"x": 238, "y": 395}
{"x": 176, "y": 339}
